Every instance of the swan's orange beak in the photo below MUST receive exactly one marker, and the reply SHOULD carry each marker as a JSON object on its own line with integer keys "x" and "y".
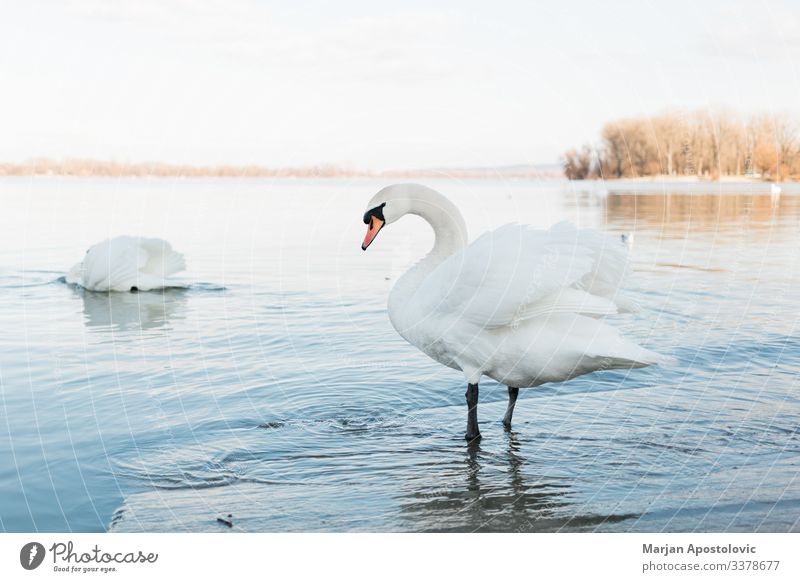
{"x": 375, "y": 224}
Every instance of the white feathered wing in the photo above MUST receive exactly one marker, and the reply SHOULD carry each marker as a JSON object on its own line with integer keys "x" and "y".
{"x": 562, "y": 278}
{"x": 124, "y": 263}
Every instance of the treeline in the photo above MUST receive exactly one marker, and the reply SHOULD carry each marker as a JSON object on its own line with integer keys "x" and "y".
{"x": 83, "y": 167}
{"x": 702, "y": 144}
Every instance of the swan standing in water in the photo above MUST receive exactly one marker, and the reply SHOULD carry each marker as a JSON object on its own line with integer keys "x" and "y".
{"x": 127, "y": 263}
{"x": 775, "y": 194}
{"x": 520, "y": 306}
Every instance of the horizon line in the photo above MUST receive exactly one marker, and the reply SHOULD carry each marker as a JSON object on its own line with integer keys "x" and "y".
{"x": 86, "y": 167}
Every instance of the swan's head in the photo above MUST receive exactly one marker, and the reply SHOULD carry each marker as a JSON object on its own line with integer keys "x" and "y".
{"x": 387, "y": 206}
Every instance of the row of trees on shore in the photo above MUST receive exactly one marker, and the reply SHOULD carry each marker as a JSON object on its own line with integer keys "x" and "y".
{"x": 88, "y": 167}
{"x": 706, "y": 144}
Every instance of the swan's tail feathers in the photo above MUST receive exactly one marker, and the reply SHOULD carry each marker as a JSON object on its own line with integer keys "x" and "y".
{"x": 174, "y": 262}
{"x": 162, "y": 260}
{"x": 635, "y": 357}
{"x": 664, "y": 360}
{"x": 609, "y": 349}
{"x": 626, "y": 304}
{"x": 75, "y": 275}
{"x": 157, "y": 272}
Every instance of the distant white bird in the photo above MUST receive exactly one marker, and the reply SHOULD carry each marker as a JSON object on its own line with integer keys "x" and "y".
{"x": 518, "y": 305}
{"x": 775, "y": 195}
{"x": 127, "y": 263}
{"x": 627, "y": 239}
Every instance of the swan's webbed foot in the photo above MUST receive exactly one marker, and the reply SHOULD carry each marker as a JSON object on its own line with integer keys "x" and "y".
{"x": 512, "y": 401}
{"x": 473, "y": 432}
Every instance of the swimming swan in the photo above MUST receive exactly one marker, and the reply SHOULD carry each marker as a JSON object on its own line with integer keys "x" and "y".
{"x": 518, "y": 305}
{"x": 127, "y": 263}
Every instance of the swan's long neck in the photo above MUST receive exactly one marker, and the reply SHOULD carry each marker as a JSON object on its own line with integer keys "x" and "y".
{"x": 449, "y": 229}
{"x": 448, "y": 225}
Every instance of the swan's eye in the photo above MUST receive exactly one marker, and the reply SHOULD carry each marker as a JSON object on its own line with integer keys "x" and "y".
{"x": 376, "y": 212}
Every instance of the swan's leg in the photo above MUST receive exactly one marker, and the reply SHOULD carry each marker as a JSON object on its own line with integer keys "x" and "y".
{"x": 512, "y": 401}
{"x": 473, "y": 433}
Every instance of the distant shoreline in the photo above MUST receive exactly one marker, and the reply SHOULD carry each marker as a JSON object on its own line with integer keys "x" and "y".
{"x": 94, "y": 168}
{"x": 664, "y": 178}
{"x": 104, "y": 169}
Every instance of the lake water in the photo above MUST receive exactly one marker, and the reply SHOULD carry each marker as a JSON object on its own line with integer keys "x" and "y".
{"x": 274, "y": 388}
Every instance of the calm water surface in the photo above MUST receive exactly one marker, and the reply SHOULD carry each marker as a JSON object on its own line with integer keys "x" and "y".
{"x": 274, "y": 388}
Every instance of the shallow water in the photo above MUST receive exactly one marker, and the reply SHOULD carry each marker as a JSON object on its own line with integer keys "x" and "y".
{"x": 275, "y": 390}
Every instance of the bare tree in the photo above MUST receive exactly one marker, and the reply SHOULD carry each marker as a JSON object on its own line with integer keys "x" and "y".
{"x": 713, "y": 143}
{"x": 580, "y": 165}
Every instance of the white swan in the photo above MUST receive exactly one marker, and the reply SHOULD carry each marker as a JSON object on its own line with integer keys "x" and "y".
{"x": 518, "y": 305}
{"x": 627, "y": 239}
{"x": 775, "y": 195}
{"x": 127, "y": 263}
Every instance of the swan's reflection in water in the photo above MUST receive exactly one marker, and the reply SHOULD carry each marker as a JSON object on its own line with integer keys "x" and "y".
{"x": 132, "y": 311}
{"x": 495, "y": 494}
{"x": 501, "y": 492}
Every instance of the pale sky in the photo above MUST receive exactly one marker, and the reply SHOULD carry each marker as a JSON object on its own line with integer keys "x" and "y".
{"x": 373, "y": 84}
